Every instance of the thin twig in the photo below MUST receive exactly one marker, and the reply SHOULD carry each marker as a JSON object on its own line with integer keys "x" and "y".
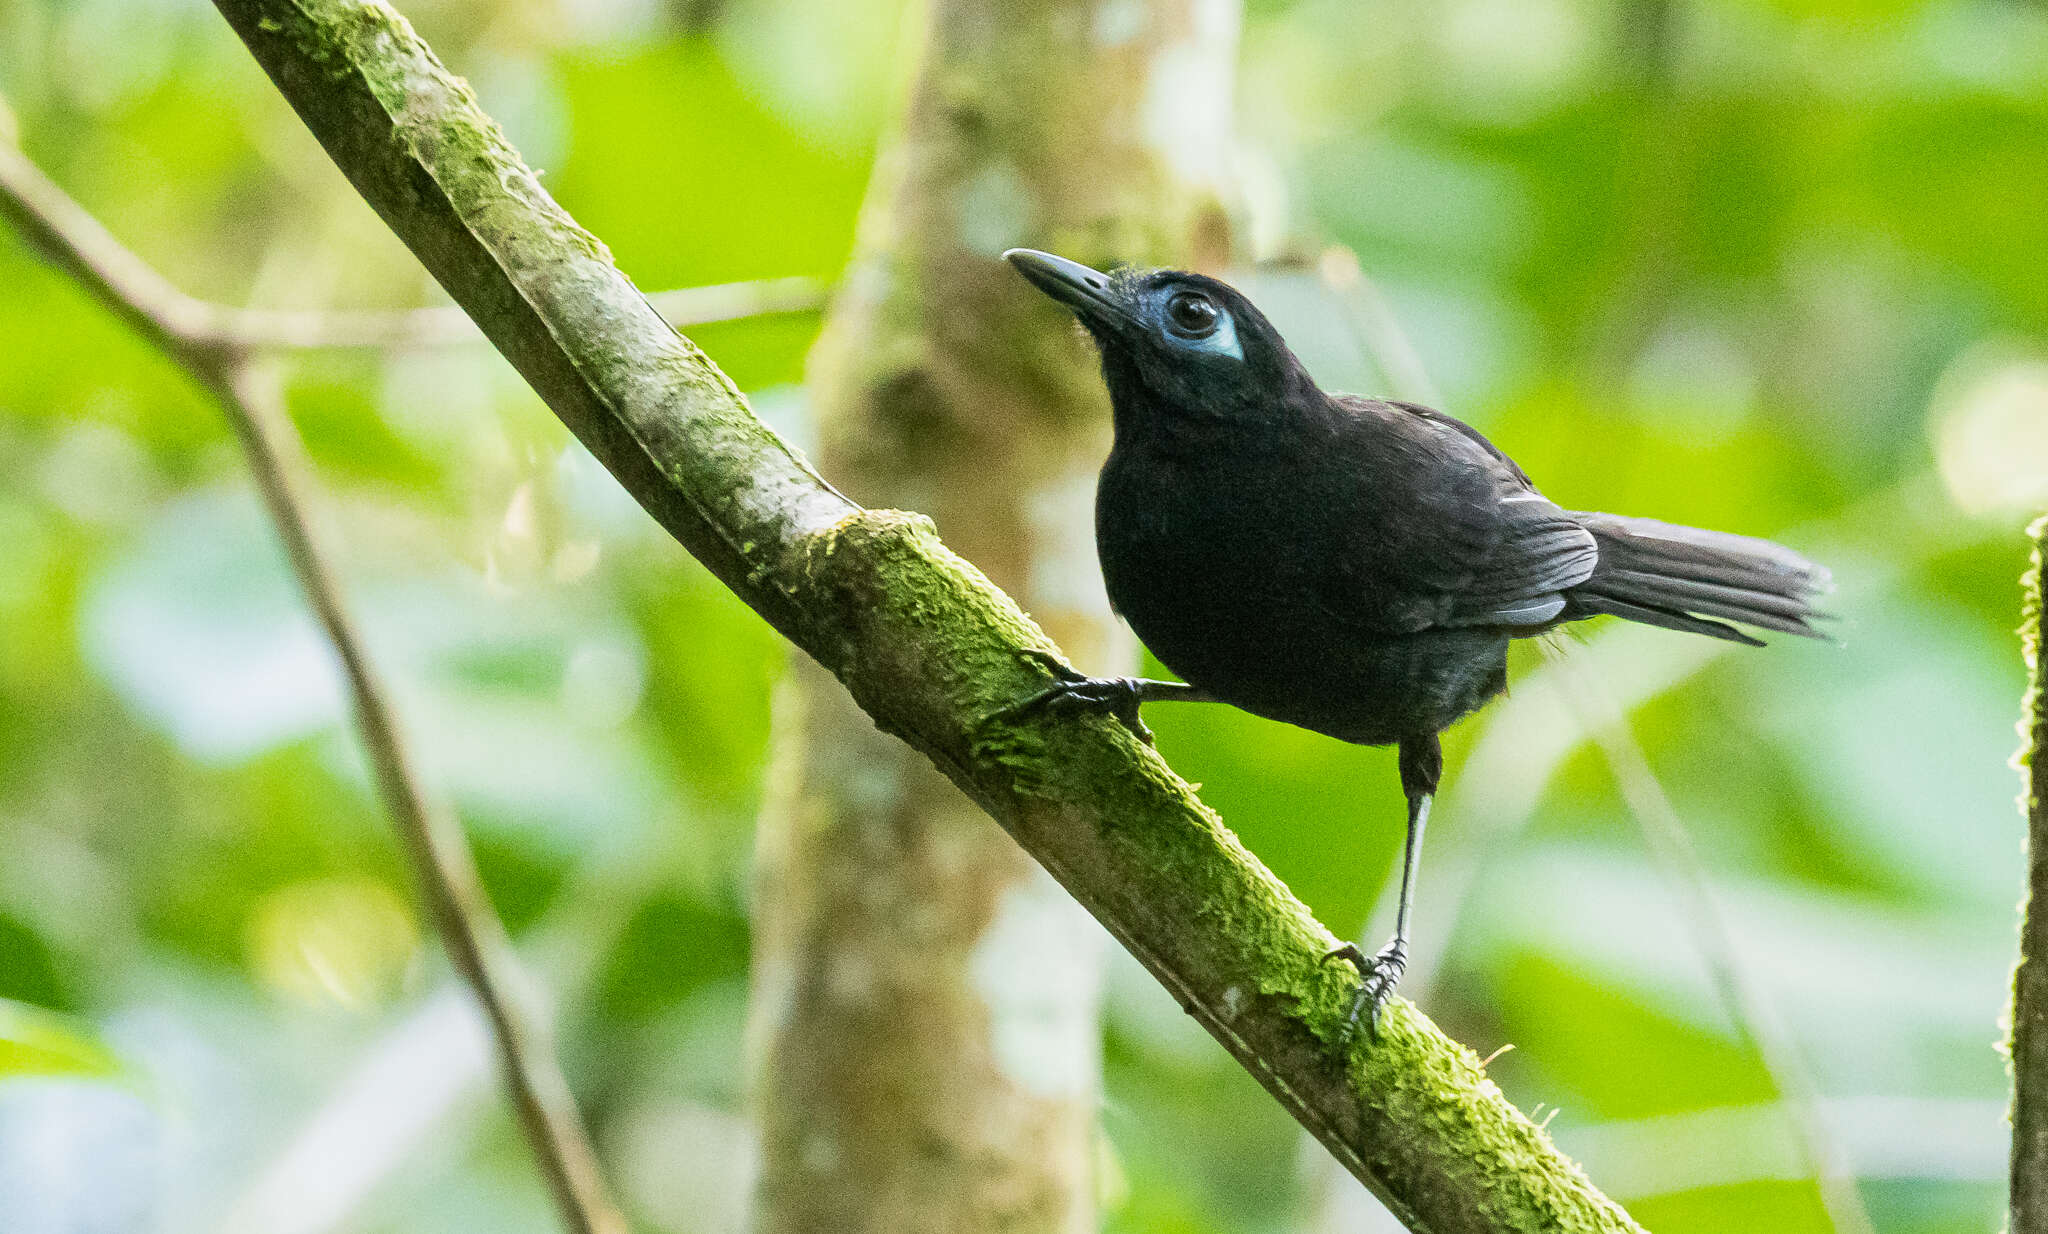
{"x": 445, "y": 325}
{"x": 1380, "y": 334}
{"x": 2028, "y": 1211}
{"x": 249, "y": 392}
{"x": 1671, "y": 847}
{"x": 1530, "y": 733}
{"x": 177, "y": 321}
{"x": 1377, "y": 329}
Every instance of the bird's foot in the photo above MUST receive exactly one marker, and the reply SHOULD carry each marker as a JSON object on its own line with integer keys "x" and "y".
{"x": 1075, "y": 691}
{"x": 1378, "y": 975}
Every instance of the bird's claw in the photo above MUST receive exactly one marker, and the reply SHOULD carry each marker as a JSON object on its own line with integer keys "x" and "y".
{"x": 1378, "y": 975}
{"x": 1076, "y": 691}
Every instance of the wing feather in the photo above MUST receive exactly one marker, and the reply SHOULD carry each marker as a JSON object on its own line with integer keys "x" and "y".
{"x": 1472, "y": 542}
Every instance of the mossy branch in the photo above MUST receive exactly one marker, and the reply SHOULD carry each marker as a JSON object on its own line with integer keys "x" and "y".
{"x": 2029, "y": 1046}
{"x": 918, "y": 636}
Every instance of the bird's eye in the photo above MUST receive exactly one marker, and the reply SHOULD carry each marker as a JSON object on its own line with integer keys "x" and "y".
{"x": 1192, "y": 314}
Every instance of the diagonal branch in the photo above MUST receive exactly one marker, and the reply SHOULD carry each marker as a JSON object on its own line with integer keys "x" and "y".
{"x": 249, "y": 394}
{"x": 1671, "y": 850}
{"x": 924, "y": 643}
{"x": 2029, "y": 1046}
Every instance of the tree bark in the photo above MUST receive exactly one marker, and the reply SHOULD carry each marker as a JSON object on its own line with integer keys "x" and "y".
{"x": 925, "y": 997}
{"x": 925, "y": 644}
{"x": 2029, "y": 1016}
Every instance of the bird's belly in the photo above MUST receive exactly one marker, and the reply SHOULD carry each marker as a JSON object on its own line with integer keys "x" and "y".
{"x": 1254, "y": 639}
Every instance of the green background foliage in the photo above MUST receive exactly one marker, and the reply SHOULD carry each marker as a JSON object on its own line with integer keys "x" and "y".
{"x": 1772, "y": 266}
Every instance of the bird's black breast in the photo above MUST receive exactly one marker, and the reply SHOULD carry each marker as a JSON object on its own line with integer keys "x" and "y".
{"x": 1229, "y": 562}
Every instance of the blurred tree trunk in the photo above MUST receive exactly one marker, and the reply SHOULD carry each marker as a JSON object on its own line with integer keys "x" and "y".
{"x": 925, "y": 1001}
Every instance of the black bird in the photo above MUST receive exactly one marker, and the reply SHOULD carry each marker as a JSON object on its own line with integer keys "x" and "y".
{"x": 1352, "y": 565}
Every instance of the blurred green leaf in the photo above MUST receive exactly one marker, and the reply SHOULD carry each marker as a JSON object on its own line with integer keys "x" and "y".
{"x": 201, "y": 629}
{"x": 38, "y": 1042}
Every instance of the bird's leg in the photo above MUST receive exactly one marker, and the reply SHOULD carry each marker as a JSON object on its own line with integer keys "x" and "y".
{"x": 1382, "y": 972}
{"x": 1421, "y": 767}
{"x": 1117, "y": 696}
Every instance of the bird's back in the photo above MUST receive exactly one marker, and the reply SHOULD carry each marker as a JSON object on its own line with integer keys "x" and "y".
{"x": 1359, "y": 568}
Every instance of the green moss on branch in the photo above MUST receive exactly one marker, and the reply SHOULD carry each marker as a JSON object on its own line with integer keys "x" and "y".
{"x": 918, "y": 636}
{"x": 925, "y": 637}
{"x": 2028, "y": 1047}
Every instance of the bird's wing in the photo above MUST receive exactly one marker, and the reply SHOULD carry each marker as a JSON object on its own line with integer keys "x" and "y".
{"x": 1456, "y": 534}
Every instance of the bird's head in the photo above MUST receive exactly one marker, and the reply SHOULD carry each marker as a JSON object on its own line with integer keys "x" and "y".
{"x": 1177, "y": 347}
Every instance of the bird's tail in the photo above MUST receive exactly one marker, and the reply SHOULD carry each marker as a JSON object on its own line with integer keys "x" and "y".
{"x": 1682, "y": 578}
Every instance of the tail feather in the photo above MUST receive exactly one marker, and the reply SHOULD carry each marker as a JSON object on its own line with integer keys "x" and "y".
{"x": 1758, "y": 608}
{"x": 1682, "y": 578}
{"x": 1589, "y": 605}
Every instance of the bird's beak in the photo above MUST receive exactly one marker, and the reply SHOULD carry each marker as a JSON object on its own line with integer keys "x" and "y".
{"x": 1086, "y": 292}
